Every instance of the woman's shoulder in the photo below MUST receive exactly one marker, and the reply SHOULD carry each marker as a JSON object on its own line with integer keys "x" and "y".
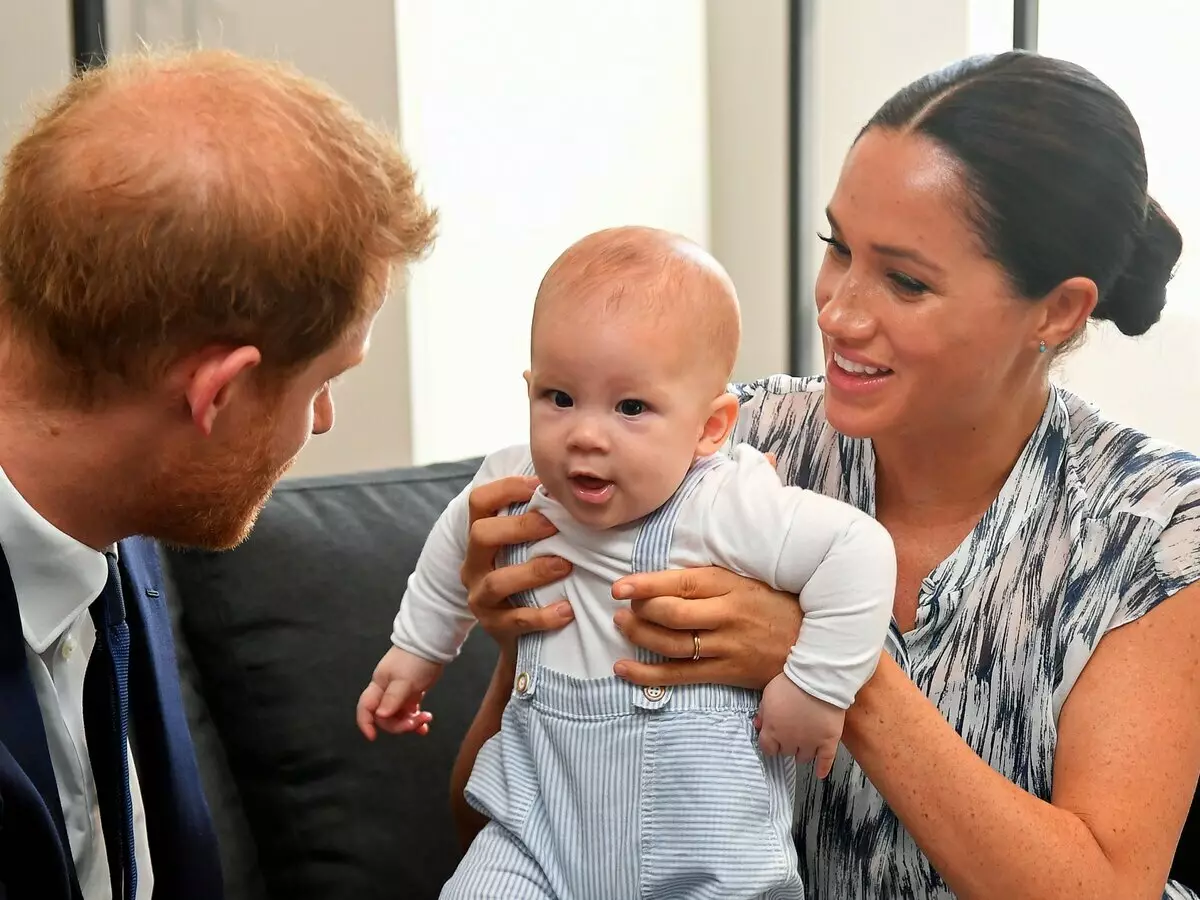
{"x": 798, "y": 400}
{"x": 798, "y": 388}
{"x": 1139, "y": 505}
{"x": 1123, "y": 471}
{"x": 785, "y": 416}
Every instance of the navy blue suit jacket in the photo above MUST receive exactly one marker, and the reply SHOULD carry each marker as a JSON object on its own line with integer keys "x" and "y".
{"x": 35, "y": 859}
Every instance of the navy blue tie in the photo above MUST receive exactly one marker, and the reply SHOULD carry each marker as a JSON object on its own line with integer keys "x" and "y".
{"x": 106, "y": 725}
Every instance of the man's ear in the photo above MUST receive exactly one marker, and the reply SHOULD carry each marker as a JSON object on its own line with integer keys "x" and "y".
{"x": 213, "y": 377}
{"x": 722, "y": 416}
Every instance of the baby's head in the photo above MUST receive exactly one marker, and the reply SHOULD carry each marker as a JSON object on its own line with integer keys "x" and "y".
{"x": 635, "y": 333}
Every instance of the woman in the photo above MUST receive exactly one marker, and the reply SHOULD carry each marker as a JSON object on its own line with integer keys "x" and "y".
{"x": 1033, "y": 729}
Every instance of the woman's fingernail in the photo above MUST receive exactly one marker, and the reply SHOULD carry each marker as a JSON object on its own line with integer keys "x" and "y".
{"x": 559, "y": 566}
{"x": 533, "y": 481}
{"x": 620, "y": 618}
{"x": 565, "y": 611}
{"x": 620, "y": 670}
{"x": 622, "y": 591}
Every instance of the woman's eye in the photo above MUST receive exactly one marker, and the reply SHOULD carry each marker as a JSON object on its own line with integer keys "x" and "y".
{"x": 631, "y": 407}
{"x": 907, "y": 284}
{"x": 836, "y": 247}
{"x": 561, "y": 399}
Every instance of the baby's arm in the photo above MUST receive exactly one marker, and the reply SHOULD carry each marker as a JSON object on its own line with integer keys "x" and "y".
{"x": 842, "y": 564}
{"x": 434, "y": 618}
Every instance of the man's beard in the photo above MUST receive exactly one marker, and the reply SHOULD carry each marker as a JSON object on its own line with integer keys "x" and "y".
{"x": 212, "y": 505}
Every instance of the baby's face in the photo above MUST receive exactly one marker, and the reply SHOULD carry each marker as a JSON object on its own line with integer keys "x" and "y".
{"x": 616, "y": 414}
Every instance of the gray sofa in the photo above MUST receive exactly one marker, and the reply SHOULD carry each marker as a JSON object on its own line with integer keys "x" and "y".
{"x": 276, "y": 639}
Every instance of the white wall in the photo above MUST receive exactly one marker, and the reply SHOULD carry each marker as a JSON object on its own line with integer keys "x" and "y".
{"x": 533, "y": 123}
{"x": 35, "y": 59}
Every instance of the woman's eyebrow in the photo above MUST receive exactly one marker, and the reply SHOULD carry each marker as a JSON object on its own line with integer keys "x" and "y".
{"x": 892, "y": 250}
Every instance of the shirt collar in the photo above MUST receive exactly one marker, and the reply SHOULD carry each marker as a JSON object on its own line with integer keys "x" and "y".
{"x": 55, "y": 576}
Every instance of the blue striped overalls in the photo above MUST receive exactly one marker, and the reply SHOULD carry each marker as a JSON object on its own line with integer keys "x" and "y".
{"x": 601, "y": 790}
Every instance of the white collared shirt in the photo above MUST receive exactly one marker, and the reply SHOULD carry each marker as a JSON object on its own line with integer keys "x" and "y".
{"x": 56, "y": 579}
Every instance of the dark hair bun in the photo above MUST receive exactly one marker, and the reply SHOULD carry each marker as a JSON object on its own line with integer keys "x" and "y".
{"x": 1136, "y": 299}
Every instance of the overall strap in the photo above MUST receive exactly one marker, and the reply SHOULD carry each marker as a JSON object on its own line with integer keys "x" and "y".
{"x": 652, "y": 553}
{"x": 529, "y": 646}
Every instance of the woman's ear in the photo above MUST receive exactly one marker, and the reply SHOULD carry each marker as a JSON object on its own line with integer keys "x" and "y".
{"x": 1065, "y": 310}
{"x": 722, "y": 416}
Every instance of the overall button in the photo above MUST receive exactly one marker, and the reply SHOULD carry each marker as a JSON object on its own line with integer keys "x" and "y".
{"x": 654, "y": 692}
{"x": 522, "y": 682}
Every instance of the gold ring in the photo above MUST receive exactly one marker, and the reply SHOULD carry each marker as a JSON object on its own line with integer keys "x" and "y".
{"x": 696, "y": 645}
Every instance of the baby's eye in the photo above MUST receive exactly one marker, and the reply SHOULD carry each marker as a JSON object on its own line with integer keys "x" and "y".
{"x": 561, "y": 399}
{"x": 631, "y": 408}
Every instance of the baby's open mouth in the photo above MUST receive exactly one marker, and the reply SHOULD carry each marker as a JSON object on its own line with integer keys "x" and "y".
{"x": 590, "y": 488}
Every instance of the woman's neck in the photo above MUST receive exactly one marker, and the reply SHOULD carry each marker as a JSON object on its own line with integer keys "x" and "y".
{"x": 955, "y": 470}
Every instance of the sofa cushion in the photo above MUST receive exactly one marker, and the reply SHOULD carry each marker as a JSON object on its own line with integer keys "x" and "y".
{"x": 239, "y": 851}
{"x": 285, "y": 632}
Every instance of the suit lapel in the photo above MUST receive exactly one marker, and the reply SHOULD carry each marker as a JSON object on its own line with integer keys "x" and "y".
{"x": 183, "y": 844}
{"x": 25, "y": 754}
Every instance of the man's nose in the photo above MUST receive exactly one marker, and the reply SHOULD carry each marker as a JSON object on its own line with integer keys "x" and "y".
{"x": 323, "y": 412}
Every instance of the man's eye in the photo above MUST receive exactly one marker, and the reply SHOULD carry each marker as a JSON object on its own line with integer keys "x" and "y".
{"x": 631, "y": 407}
{"x": 561, "y": 399}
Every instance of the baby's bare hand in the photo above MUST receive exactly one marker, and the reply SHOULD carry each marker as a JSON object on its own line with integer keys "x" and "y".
{"x": 392, "y": 701}
{"x": 795, "y": 723}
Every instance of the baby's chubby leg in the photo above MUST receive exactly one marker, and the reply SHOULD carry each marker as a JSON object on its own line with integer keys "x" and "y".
{"x": 798, "y": 724}
{"x": 498, "y": 867}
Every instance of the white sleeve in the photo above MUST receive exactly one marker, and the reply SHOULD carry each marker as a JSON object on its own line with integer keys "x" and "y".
{"x": 434, "y": 619}
{"x": 839, "y": 560}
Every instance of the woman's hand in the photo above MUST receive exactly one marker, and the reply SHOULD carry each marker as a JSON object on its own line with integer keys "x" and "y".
{"x": 489, "y": 588}
{"x": 745, "y": 629}
{"x": 488, "y": 592}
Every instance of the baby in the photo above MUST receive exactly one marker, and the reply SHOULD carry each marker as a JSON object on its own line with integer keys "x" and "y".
{"x": 596, "y": 788}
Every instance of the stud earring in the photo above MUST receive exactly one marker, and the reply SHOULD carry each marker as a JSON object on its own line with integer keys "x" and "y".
{"x": 1041, "y": 346}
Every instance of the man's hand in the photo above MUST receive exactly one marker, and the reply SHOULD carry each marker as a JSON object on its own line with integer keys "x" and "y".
{"x": 800, "y": 725}
{"x": 392, "y": 701}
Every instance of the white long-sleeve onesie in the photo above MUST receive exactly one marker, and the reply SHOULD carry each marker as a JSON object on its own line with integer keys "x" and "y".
{"x": 839, "y": 560}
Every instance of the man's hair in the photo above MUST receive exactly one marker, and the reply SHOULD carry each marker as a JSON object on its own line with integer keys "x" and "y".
{"x": 166, "y": 203}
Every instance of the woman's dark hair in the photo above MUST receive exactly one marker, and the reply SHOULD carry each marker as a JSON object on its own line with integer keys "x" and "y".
{"x": 1055, "y": 167}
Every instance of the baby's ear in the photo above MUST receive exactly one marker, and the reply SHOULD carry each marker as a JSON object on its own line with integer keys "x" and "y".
{"x": 528, "y": 376}
{"x": 722, "y": 416}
